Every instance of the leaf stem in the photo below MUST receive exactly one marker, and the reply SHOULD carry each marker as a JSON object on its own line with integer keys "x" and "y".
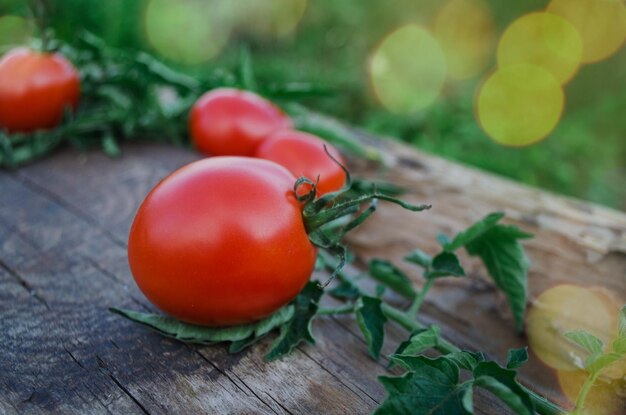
{"x": 417, "y": 303}
{"x": 584, "y": 391}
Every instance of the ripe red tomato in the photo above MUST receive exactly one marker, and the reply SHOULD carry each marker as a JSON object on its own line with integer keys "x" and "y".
{"x": 303, "y": 155}
{"x": 35, "y": 89}
{"x": 221, "y": 241}
{"x": 227, "y": 121}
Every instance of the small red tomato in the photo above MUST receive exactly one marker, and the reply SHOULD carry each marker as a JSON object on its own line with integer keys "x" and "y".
{"x": 228, "y": 121}
{"x": 35, "y": 89}
{"x": 221, "y": 241}
{"x": 304, "y": 155}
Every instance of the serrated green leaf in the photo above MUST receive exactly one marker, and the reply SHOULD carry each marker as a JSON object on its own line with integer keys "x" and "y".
{"x": 432, "y": 388}
{"x": 386, "y": 273}
{"x": 465, "y": 360}
{"x": 371, "y": 321}
{"x": 191, "y": 333}
{"x": 619, "y": 345}
{"x": 502, "y": 383}
{"x": 504, "y": 258}
{"x": 622, "y": 323}
{"x": 517, "y": 357}
{"x": 597, "y": 362}
{"x": 445, "y": 264}
{"x": 586, "y": 340}
{"x": 345, "y": 290}
{"x": 298, "y": 328}
{"x": 420, "y": 258}
{"x": 474, "y": 231}
{"x": 419, "y": 341}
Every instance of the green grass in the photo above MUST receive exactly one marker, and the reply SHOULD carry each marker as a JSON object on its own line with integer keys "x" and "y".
{"x": 584, "y": 157}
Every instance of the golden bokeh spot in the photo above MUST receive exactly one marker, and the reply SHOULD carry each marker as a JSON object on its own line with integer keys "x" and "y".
{"x": 407, "y": 70}
{"x": 600, "y": 23}
{"x": 562, "y": 309}
{"x": 606, "y": 396}
{"x": 466, "y": 32}
{"x": 14, "y": 30}
{"x": 519, "y": 105}
{"x": 268, "y": 18}
{"x": 545, "y": 40}
{"x": 188, "y": 31}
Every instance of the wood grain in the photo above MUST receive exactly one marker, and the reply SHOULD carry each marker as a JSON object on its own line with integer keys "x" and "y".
{"x": 63, "y": 228}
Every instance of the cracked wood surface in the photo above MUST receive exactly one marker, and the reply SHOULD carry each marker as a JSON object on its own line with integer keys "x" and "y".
{"x": 63, "y": 228}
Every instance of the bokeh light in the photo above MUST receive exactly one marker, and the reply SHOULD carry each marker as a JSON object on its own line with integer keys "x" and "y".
{"x": 519, "y": 105}
{"x": 600, "y": 23}
{"x": 188, "y": 31}
{"x": 14, "y": 30}
{"x": 268, "y": 18}
{"x": 562, "y": 309}
{"x": 466, "y": 32}
{"x": 407, "y": 70}
{"x": 545, "y": 40}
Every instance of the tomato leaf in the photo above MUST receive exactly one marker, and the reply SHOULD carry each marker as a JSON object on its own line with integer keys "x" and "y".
{"x": 619, "y": 345}
{"x": 501, "y": 382}
{"x": 504, "y": 257}
{"x": 586, "y": 340}
{"x": 516, "y": 357}
{"x": 431, "y": 387}
{"x": 191, "y": 333}
{"x": 597, "y": 362}
{"x": 371, "y": 321}
{"x": 445, "y": 264}
{"x": 419, "y": 341}
{"x": 465, "y": 360}
{"x": 298, "y": 328}
{"x": 419, "y": 257}
{"x": 473, "y": 232}
{"x": 345, "y": 290}
{"x": 386, "y": 273}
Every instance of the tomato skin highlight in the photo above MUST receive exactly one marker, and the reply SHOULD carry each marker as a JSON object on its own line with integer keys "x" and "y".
{"x": 228, "y": 121}
{"x": 303, "y": 154}
{"x": 221, "y": 242}
{"x": 35, "y": 89}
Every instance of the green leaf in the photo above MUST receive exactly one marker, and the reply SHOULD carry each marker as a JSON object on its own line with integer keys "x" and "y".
{"x": 504, "y": 257}
{"x": 474, "y": 231}
{"x": 517, "y": 357}
{"x": 246, "y": 72}
{"x": 110, "y": 146}
{"x": 586, "y": 340}
{"x": 345, "y": 290}
{"x": 468, "y": 400}
{"x": 419, "y": 257}
{"x": 298, "y": 328}
{"x": 191, "y": 333}
{"x": 444, "y": 265}
{"x": 619, "y": 345}
{"x": 465, "y": 360}
{"x": 596, "y": 363}
{"x": 419, "y": 341}
{"x": 432, "y": 388}
{"x": 622, "y": 322}
{"x": 501, "y": 382}
{"x": 386, "y": 273}
{"x": 371, "y": 320}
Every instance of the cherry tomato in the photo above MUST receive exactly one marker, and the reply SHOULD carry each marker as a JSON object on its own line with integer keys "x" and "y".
{"x": 221, "y": 241}
{"x": 304, "y": 155}
{"x": 228, "y": 121}
{"x": 35, "y": 90}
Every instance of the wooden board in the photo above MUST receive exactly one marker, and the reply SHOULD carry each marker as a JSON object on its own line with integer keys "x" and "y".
{"x": 63, "y": 228}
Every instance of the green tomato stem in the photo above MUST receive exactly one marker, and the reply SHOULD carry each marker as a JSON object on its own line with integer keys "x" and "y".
{"x": 584, "y": 391}
{"x": 417, "y": 303}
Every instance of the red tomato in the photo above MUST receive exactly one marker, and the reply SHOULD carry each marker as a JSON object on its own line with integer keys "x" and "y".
{"x": 303, "y": 155}
{"x": 35, "y": 89}
{"x": 221, "y": 241}
{"x": 228, "y": 121}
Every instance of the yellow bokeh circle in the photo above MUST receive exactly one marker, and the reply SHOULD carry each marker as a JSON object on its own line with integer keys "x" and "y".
{"x": 466, "y": 32}
{"x": 600, "y": 23}
{"x": 14, "y": 30}
{"x": 519, "y": 105}
{"x": 188, "y": 31}
{"x": 268, "y": 18}
{"x": 407, "y": 70}
{"x": 545, "y": 40}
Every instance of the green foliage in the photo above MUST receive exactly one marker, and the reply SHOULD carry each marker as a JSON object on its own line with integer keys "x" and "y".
{"x": 388, "y": 274}
{"x": 516, "y": 358}
{"x": 371, "y": 321}
{"x": 446, "y": 264}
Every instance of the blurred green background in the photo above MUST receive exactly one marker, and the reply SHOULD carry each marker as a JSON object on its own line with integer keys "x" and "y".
{"x": 585, "y": 156}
